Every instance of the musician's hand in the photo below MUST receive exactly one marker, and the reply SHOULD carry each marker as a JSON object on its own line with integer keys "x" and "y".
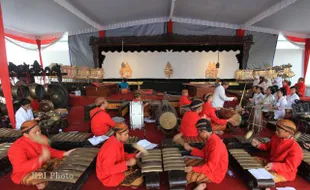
{"x": 146, "y": 104}
{"x": 203, "y": 116}
{"x": 187, "y": 147}
{"x": 131, "y": 162}
{"x": 268, "y": 167}
{"x": 68, "y": 152}
{"x": 188, "y": 169}
{"x": 139, "y": 155}
{"x": 255, "y": 142}
{"x": 37, "y": 118}
{"x": 45, "y": 155}
{"x": 235, "y": 98}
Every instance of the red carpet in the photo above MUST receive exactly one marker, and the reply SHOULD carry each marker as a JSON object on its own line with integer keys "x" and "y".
{"x": 151, "y": 133}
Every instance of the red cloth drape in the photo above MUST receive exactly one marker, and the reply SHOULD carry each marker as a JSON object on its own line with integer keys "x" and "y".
{"x": 306, "y": 58}
{"x": 101, "y": 34}
{"x": 40, "y": 54}
{"x": 296, "y": 39}
{"x": 30, "y": 41}
{"x": 240, "y": 32}
{"x": 4, "y": 74}
{"x": 170, "y": 27}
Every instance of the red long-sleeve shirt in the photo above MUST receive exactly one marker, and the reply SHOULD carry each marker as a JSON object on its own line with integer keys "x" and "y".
{"x": 184, "y": 100}
{"x": 111, "y": 162}
{"x": 209, "y": 111}
{"x": 24, "y": 156}
{"x": 285, "y": 156}
{"x": 287, "y": 88}
{"x": 101, "y": 122}
{"x": 216, "y": 159}
{"x": 301, "y": 88}
{"x": 188, "y": 124}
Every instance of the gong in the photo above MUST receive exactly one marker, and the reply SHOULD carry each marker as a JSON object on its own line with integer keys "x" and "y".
{"x": 58, "y": 95}
{"x": 46, "y": 106}
{"x": 20, "y": 92}
{"x": 37, "y": 91}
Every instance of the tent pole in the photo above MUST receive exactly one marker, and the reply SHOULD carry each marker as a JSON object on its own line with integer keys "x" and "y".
{"x": 4, "y": 74}
{"x": 40, "y": 56}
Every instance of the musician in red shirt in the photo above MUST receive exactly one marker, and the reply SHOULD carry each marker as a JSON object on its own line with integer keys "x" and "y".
{"x": 113, "y": 163}
{"x": 28, "y": 154}
{"x": 286, "y": 84}
{"x": 184, "y": 100}
{"x": 190, "y": 118}
{"x": 101, "y": 121}
{"x": 214, "y": 164}
{"x": 285, "y": 153}
{"x": 301, "y": 87}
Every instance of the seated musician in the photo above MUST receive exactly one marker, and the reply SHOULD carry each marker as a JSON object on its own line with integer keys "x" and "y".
{"x": 138, "y": 98}
{"x": 301, "y": 87}
{"x": 292, "y": 97}
{"x": 279, "y": 109}
{"x": 24, "y": 113}
{"x": 269, "y": 97}
{"x": 30, "y": 158}
{"x": 219, "y": 96}
{"x": 286, "y": 84}
{"x": 124, "y": 86}
{"x": 278, "y": 81}
{"x": 101, "y": 122}
{"x": 184, "y": 100}
{"x": 210, "y": 112}
{"x": 285, "y": 153}
{"x": 113, "y": 163}
{"x": 214, "y": 166}
{"x": 190, "y": 118}
{"x": 258, "y": 95}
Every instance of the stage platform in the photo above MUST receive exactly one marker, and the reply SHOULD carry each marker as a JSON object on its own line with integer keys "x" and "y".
{"x": 77, "y": 123}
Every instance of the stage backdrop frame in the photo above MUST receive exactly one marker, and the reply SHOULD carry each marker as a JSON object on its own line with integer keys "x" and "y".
{"x": 172, "y": 42}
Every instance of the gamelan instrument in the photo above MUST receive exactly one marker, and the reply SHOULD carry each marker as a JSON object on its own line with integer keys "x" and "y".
{"x": 5, "y": 165}
{"x": 166, "y": 117}
{"x": 136, "y": 110}
{"x": 151, "y": 166}
{"x": 69, "y": 140}
{"x": 58, "y": 95}
{"x": 37, "y": 91}
{"x": 226, "y": 113}
{"x": 243, "y": 142}
{"x": 304, "y": 167}
{"x": 173, "y": 162}
{"x": 77, "y": 166}
{"x": 256, "y": 120}
{"x": 241, "y": 162}
{"x": 184, "y": 109}
{"x": 302, "y": 137}
{"x": 128, "y": 145}
{"x": 9, "y": 135}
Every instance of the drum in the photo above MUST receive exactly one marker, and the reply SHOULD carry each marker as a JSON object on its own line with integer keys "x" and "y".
{"x": 136, "y": 115}
{"x": 226, "y": 113}
{"x": 166, "y": 117}
{"x": 153, "y": 107}
{"x": 118, "y": 119}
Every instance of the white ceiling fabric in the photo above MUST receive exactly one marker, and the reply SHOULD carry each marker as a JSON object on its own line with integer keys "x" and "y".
{"x": 37, "y": 18}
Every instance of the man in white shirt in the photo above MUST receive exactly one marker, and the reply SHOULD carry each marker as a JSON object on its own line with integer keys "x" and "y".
{"x": 293, "y": 96}
{"x": 278, "y": 81}
{"x": 24, "y": 113}
{"x": 219, "y": 96}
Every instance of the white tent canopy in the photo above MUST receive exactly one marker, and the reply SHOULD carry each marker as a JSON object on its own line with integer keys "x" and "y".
{"x": 39, "y": 18}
